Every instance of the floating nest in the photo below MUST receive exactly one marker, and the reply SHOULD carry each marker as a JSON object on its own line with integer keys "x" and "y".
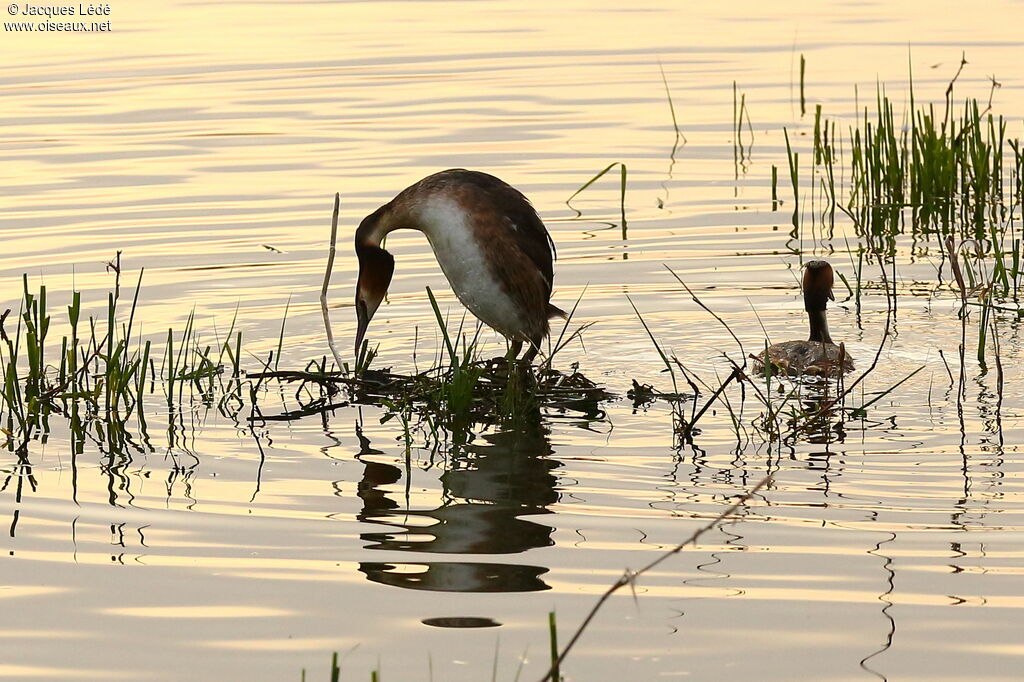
{"x": 485, "y": 390}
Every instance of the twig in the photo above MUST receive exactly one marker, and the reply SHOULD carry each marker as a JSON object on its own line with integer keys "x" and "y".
{"x": 949, "y": 88}
{"x": 630, "y": 576}
{"x": 954, "y": 264}
{"x": 318, "y": 407}
{"x": 711, "y": 312}
{"x": 327, "y": 282}
{"x": 671, "y": 107}
{"x": 328, "y": 381}
{"x": 862, "y": 408}
{"x": 948, "y": 370}
{"x": 688, "y": 429}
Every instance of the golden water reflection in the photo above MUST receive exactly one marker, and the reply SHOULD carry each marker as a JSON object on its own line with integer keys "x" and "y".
{"x": 206, "y": 140}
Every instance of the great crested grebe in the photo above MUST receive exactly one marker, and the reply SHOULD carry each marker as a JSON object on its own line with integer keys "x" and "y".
{"x": 489, "y": 241}
{"x": 818, "y": 355}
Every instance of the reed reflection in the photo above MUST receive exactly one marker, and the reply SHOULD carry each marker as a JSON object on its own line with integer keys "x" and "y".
{"x": 886, "y": 599}
{"x": 489, "y": 487}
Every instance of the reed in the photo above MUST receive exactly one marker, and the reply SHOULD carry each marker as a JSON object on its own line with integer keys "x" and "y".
{"x": 775, "y": 187}
{"x": 793, "y": 158}
{"x": 455, "y": 396}
{"x": 103, "y": 371}
{"x": 803, "y": 72}
{"x": 280, "y": 338}
{"x": 740, "y": 153}
{"x": 622, "y": 190}
{"x": 926, "y": 171}
{"x": 554, "y": 673}
{"x": 671, "y": 106}
{"x": 645, "y": 393}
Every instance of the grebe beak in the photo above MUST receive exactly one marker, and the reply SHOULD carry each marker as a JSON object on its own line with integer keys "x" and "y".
{"x": 363, "y": 321}
{"x": 367, "y": 303}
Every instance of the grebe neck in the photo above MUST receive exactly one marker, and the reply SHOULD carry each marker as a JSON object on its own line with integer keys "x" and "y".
{"x": 375, "y": 227}
{"x": 819, "y": 326}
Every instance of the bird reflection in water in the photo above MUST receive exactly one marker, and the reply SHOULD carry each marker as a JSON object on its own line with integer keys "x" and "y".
{"x": 489, "y": 486}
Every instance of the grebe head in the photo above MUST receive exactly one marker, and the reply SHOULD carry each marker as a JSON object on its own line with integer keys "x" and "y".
{"x": 817, "y": 286}
{"x": 376, "y": 266}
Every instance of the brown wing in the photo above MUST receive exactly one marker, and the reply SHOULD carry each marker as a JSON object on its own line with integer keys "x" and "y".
{"x": 513, "y": 238}
{"x": 526, "y": 227}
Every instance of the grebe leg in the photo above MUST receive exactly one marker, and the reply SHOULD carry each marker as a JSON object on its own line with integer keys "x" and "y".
{"x": 532, "y": 351}
{"x": 514, "y": 349}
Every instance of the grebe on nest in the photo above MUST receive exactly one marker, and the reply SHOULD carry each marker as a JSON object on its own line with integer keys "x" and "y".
{"x": 489, "y": 241}
{"x": 818, "y": 355}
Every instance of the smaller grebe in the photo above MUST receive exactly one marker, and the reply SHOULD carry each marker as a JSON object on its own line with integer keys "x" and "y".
{"x": 818, "y": 355}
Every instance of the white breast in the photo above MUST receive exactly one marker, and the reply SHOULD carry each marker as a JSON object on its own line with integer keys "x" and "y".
{"x": 447, "y": 227}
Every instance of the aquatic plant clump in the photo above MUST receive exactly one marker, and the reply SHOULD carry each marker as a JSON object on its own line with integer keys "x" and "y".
{"x": 475, "y": 391}
{"x": 958, "y": 170}
{"x": 102, "y": 371}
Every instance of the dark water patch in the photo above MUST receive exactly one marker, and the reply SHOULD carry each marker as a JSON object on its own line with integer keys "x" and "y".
{"x": 457, "y": 576}
{"x": 461, "y": 622}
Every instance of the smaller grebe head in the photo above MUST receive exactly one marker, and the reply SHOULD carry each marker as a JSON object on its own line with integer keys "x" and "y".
{"x": 817, "y": 286}
{"x": 376, "y": 266}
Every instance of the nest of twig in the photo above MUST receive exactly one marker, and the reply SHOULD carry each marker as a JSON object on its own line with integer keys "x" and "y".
{"x": 485, "y": 390}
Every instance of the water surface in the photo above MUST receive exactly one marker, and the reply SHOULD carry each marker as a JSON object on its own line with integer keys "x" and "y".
{"x": 206, "y": 141}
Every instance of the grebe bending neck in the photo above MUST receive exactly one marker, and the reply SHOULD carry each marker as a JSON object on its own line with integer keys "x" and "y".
{"x": 818, "y": 355}
{"x": 489, "y": 242}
